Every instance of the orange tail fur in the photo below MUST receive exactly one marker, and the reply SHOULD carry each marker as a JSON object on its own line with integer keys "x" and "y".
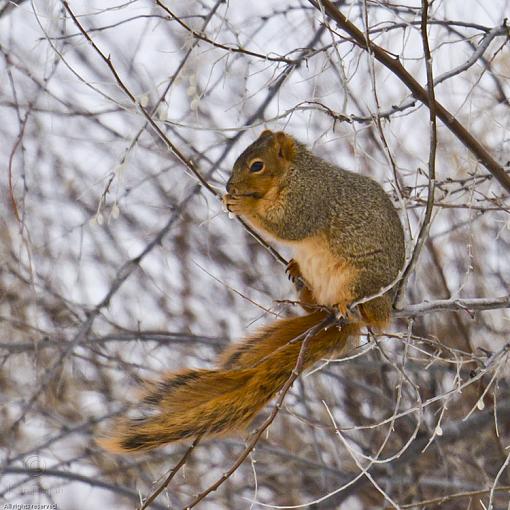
{"x": 192, "y": 402}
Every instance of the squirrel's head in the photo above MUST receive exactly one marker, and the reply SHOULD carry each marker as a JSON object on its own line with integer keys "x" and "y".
{"x": 263, "y": 165}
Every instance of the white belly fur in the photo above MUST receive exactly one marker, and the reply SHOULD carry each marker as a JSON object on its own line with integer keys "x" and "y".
{"x": 328, "y": 276}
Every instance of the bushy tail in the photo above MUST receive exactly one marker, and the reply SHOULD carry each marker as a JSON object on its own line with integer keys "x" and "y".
{"x": 190, "y": 403}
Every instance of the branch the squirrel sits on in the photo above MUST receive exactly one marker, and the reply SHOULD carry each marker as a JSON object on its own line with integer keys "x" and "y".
{"x": 348, "y": 243}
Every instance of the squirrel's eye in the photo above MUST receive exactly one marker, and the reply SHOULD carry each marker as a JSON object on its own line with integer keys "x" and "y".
{"x": 256, "y": 166}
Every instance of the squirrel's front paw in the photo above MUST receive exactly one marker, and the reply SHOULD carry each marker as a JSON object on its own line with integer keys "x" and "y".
{"x": 230, "y": 202}
{"x": 234, "y": 203}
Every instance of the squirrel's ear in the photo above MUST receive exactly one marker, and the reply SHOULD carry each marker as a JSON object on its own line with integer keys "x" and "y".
{"x": 266, "y": 132}
{"x": 286, "y": 146}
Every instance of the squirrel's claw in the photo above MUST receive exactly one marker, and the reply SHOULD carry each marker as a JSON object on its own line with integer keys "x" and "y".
{"x": 294, "y": 275}
{"x": 293, "y": 271}
{"x": 341, "y": 314}
{"x": 346, "y": 313}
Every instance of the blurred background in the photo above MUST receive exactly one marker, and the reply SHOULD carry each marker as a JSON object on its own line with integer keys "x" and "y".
{"x": 116, "y": 264}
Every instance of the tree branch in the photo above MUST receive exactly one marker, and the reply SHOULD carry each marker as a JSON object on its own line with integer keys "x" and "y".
{"x": 454, "y": 305}
{"x": 419, "y": 92}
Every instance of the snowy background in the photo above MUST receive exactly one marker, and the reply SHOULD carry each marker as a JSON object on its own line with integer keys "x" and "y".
{"x": 88, "y": 186}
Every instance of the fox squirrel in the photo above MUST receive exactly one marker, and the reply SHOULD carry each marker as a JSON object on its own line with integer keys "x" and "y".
{"x": 348, "y": 243}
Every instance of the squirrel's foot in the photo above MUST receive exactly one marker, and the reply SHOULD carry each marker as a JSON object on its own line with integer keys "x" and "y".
{"x": 295, "y": 276}
{"x": 346, "y": 313}
{"x": 341, "y": 315}
{"x": 293, "y": 271}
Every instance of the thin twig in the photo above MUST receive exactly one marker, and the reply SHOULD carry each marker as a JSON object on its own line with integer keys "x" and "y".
{"x": 171, "y": 475}
{"x": 231, "y": 49}
{"x": 420, "y": 93}
{"x": 450, "y": 497}
{"x": 425, "y": 226}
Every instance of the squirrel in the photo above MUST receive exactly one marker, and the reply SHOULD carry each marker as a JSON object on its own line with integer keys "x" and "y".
{"x": 348, "y": 244}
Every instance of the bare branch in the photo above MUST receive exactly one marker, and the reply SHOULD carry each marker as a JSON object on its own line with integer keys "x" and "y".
{"x": 394, "y": 65}
{"x": 454, "y": 305}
